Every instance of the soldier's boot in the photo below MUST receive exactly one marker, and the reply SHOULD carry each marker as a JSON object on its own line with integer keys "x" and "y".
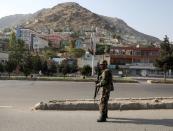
{"x": 102, "y": 118}
{"x": 106, "y": 115}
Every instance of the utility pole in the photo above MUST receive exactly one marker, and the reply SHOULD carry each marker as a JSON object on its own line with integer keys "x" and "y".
{"x": 93, "y": 48}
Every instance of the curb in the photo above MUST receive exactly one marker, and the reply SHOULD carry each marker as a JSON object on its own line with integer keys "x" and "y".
{"x": 114, "y": 104}
{"x": 159, "y": 82}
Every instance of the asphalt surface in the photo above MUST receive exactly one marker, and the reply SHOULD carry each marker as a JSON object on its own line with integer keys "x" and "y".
{"x": 28, "y": 93}
{"x": 26, "y": 120}
{"x": 18, "y": 97}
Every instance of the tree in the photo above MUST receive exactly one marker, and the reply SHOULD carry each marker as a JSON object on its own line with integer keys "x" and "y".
{"x": 86, "y": 70}
{"x": 12, "y": 41}
{"x": 119, "y": 38}
{"x": 75, "y": 35}
{"x": 165, "y": 61}
{"x": 45, "y": 68}
{"x": 72, "y": 44}
{"x": 27, "y": 65}
{"x": 10, "y": 66}
{"x": 75, "y": 52}
{"x": 64, "y": 67}
{"x": 102, "y": 49}
{"x": 65, "y": 70}
{"x": 52, "y": 69}
{"x": 17, "y": 49}
{"x": 49, "y": 53}
{"x": 1, "y": 67}
{"x": 37, "y": 63}
{"x": 73, "y": 68}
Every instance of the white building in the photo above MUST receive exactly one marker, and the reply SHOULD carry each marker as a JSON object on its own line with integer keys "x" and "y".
{"x": 87, "y": 60}
{"x": 58, "y": 60}
{"x": 39, "y": 43}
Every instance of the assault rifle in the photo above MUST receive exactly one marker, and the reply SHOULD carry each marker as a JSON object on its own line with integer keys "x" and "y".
{"x": 96, "y": 82}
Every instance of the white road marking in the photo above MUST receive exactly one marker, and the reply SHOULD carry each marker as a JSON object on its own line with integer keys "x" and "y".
{"x": 6, "y": 106}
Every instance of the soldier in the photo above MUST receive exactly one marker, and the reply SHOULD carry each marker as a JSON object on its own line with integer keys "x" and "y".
{"x": 106, "y": 84}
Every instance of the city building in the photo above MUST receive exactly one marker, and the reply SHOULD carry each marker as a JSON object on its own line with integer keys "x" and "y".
{"x": 26, "y": 35}
{"x": 79, "y": 43}
{"x": 87, "y": 60}
{"x": 126, "y": 55}
{"x": 32, "y": 39}
{"x": 39, "y": 43}
{"x": 135, "y": 60}
{"x": 54, "y": 39}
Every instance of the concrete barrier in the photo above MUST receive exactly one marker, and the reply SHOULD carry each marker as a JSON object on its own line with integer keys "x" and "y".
{"x": 114, "y": 104}
{"x": 149, "y": 81}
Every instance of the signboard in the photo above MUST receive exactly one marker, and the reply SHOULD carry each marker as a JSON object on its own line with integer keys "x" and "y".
{"x": 111, "y": 66}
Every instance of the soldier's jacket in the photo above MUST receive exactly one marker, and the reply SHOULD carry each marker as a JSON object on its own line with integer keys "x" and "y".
{"x": 105, "y": 80}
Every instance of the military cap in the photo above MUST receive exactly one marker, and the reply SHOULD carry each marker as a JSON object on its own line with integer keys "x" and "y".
{"x": 104, "y": 62}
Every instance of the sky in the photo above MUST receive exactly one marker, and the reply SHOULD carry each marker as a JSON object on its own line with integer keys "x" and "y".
{"x": 152, "y": 17}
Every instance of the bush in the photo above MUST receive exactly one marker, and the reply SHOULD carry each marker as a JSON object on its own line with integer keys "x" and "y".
{"x": 86, "y": 70}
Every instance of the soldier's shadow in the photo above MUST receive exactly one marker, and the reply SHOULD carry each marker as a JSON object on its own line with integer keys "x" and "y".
{"x": 163, "y": 122}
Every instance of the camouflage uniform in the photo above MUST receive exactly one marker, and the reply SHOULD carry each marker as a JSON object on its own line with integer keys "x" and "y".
{"x": 105, "y": 81}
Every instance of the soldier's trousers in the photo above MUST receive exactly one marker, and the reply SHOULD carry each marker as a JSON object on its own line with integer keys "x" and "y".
{"x": 103, "y": 106}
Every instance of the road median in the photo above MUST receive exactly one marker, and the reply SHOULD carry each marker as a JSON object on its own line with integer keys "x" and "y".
{"x": 170, "y": 81}
{"x": 114, "y": 104}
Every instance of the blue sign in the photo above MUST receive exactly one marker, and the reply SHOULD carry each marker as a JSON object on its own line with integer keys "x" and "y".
{"x": 111, "y": 66}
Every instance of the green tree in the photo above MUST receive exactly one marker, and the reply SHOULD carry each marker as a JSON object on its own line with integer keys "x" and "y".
{"x": 1, "y": 67}
{"x": 73, "y": 68}
{"x": 75, "y": 35}
{"x": 72, "y": 44}
{"x": 64, "y": 68}
{"x": 37, "y": 63}
{"x": 49, "y": 53}
{"x": 52, "y": 68}
{"x": 27, "y": 65}
{"x": 102, "y": 49}
{"x": 17, "y": 49}
{"x": 45, "y": 68}
{"x": 12, "y": 41}
{"x": 10, "y": 66}
{"x": 165, "y": 61}
{"x": 75, "y": 52}
{"x": 86, "y": 70}
{"x": 119, "y": 38}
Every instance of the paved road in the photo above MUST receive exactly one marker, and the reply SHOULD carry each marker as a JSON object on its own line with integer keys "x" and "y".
{"x": 17, "y": 98}
{"x": 25, "y": 120}
{"x": 27, "y": 93}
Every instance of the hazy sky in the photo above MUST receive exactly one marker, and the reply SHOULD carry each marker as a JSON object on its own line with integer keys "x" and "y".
{"x": 152, "y": 17}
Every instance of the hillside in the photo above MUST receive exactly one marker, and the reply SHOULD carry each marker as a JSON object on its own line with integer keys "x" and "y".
{"x": 77, "y": 18}
{"x": 13, "y": 20}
